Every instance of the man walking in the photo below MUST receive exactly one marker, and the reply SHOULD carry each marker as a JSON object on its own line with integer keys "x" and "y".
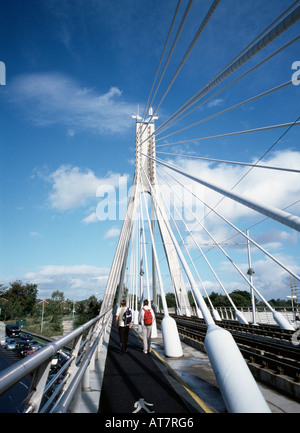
{"x": 124, "y": 320}
{"x": 146, "y": 318}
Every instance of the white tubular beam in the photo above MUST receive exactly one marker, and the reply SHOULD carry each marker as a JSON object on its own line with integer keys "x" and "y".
{"x": 238, "y": 387}
{"x": 240, "y": 391}
{"x": 239, "y": 314}
{"x": 279, "y": 319}
{"x": 172, "y": 343}
{"x": 283, "y": 217}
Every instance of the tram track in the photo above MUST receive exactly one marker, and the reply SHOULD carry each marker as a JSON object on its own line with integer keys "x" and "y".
{"x": 268, "y": 350}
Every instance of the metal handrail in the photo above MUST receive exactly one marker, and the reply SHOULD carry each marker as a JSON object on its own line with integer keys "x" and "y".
{"x": 68, "y": 396}
{"x": 43, "y": 357}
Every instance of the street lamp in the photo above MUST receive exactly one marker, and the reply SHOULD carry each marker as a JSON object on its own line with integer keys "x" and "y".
{"x": 292, "y": 297}
{"x": 43, "y": 303}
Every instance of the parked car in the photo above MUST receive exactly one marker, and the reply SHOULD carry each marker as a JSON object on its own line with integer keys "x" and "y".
{"x": 27, "y": 352}
{"x": 26, "y": 337}
{"x": 22, "y": 347}
{"x": 12, "y": 331}
{"x": 35, "y": 345}
{"x": 10, "y": 344}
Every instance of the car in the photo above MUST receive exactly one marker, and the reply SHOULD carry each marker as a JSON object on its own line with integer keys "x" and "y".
{"x": 35, "y": 345}
{"x": 22, "y": 347}
{"x": 12, "y": 331}
{"x": 10, "y": 344}
{"x": 26, "y": 337}
{"x": 28, "y": 352}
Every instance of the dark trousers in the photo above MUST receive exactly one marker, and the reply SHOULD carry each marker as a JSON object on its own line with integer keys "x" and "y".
{"x": 123, "y": 333}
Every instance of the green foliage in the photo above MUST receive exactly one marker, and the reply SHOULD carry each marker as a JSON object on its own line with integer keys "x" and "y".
{"x": 86, "y": 310}
{"x": 17, "y": 300}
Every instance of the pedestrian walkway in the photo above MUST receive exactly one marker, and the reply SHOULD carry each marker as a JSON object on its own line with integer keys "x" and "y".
{"x": 141, "y": 383}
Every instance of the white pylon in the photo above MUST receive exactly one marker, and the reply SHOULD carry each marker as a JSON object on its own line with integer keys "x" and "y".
{"x": 145, "y": 145}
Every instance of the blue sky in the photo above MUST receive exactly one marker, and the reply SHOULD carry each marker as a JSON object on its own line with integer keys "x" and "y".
{"x": 75, "y": 73}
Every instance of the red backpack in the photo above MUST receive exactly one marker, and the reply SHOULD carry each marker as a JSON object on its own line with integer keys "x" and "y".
{"x": 147, "y": 317}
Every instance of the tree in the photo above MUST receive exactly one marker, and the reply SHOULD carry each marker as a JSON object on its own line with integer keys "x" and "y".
{"x": 170, "y": 299}
{"x": 18, "y": 300}
{"x": 87, "y": 310}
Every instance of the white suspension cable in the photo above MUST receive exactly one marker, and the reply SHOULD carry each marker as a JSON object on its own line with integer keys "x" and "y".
{"x": 203, "y": 255}
{"x": 145, "y": 254}
{"x": 239, "y": 54}
{"x": 163, "y": 298}
{"x": 233, "y": 107}
{"x": 238, "y": 230}
{"x": 274, "y": 213}
{"x": 161, "y": 58}
{"x": 204, "y": 309}
{"x": 188, "y": 52}
{"x": 226, "y": 255}
{"x": 231, "y": 134}
{"x": 170, "y": 54}
{"x": 281, "y": 27}
{"x": 233, "y": 162}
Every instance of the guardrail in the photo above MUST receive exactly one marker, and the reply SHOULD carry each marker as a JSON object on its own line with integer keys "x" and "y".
{"x": 86, "y": 344}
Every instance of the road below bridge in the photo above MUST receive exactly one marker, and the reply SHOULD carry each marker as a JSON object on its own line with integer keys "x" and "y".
{"x": 13, "y": 400}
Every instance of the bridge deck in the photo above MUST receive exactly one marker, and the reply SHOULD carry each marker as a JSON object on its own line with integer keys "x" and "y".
{"x": 135, "y": 376}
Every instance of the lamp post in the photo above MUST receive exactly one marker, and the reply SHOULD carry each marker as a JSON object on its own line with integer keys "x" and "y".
{"x": 292, "y": 297}
{"x": 43, "y": 303}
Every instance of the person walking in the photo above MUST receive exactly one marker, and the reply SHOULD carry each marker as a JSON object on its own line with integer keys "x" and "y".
{"x": 146, "y": 318}
{"x": 124, "y": 321}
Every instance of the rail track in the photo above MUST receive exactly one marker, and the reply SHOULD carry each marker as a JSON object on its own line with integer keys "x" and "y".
{"x": 268, "y": 350}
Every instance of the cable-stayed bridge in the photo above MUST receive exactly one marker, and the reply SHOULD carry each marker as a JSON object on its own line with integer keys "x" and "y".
{"x": 177, "y": 216}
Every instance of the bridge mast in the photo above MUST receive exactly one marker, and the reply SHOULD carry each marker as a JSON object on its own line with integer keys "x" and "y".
{"x": 145, "y": 147}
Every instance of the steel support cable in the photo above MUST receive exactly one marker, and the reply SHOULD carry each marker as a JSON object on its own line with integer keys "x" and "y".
{"x": 123, "y": 243}
{"x": 229, "y": 258}
{"x": 166, "y": 124}
{"x": 145, "y": 255}
{"x": 255, "y": 39}
{"x": 191, "y": 261}
{"x": 248, "y": 228}
{"x": 189, "y": 50}
{"x": 281, "y": 27}
{"x": 235, "y": 228}
{"x": 231, "y": 134}
{"x": 161, "y": 58}
{"x": 283, "y": 217}
{"x": 243, "y": 234}
{"x": 240, "y": 53}
{"x": 163, "y": 128}
{"x": 264, "y": 154}
{"x": 170, "y": 53}
{"x": 165, "y": 307}
{"x": 202, "y": 305}
{"x": 238, "y": 313}
{"x": 233, "y": 107}
{"x": 200, "y": 250}
{"x": 293, "y": 170}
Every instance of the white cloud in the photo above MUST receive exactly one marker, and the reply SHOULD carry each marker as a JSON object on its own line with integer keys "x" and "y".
{"x": 53, "y": 98}
{"x": 76, "y": 282}
{"x": 274, "y": 188}
{"x": 112, "y": 233}
{"x": 72, "y": 187}
{"x": 35, "y": 235}
{"x": 92, "y": 218}
{"x": 215, "y": 103}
